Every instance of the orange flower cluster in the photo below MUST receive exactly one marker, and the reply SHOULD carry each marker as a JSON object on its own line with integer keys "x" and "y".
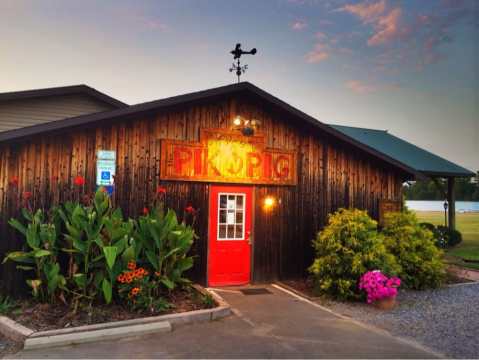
{"x": 134, "y": 292}
{"x": 135, "y": 273}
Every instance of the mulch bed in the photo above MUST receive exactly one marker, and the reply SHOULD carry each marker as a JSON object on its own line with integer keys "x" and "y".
{"x": 306, "y": 286}
{"x": 41, "y": 317}
{"x": 452, "y": 278}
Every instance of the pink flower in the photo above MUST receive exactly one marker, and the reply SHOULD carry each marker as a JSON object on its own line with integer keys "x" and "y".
{"x": 378, "y": 286}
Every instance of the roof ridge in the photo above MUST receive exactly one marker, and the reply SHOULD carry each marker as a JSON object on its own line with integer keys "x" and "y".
{"x": 358, "y": 127}
{"x": 62, "y": 90}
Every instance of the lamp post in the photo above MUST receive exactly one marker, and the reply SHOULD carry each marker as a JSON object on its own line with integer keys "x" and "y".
{"x": 445, "y": 213}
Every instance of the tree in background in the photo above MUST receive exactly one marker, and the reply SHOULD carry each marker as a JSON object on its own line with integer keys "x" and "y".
{"x": 466, "y": 189}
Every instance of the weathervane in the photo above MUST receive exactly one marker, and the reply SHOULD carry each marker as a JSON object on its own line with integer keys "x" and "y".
{"x": 237, "y": 52}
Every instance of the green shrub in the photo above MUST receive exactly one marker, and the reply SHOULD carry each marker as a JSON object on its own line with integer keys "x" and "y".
{"x": 443, "y": 236}
{"x": 346, "y": 248}
{"x": 448, "y": 236}
{"x": 414, "y": 248}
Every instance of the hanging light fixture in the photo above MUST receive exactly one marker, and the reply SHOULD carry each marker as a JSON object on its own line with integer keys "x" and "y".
{"x": 247, "y": 127}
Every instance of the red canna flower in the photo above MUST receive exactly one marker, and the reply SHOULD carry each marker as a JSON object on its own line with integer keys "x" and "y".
{"x": 14, "y": 181}
{"x": 190, "y": 209}
{"x": 146, "y": 211}
{"x": 161, "y": 190}
{"x": 79, "y": 180}
{"x": 27, "y": 195}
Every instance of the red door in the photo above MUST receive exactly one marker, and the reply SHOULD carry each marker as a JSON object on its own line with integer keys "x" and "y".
{"x": 230, "y": 228}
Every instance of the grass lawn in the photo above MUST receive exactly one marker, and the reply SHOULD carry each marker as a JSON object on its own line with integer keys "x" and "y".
{"x": 468, "y": 225}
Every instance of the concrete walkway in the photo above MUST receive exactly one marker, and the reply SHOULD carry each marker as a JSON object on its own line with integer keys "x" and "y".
{"x": 274, "y": 325}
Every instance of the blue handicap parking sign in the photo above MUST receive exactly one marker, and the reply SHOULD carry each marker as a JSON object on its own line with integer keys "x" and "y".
{"x": 105, "y": 175}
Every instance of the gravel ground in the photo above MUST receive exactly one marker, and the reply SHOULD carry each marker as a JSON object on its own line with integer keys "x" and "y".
{"x": 7, "y": 346}
{"x": 445, "y": 320}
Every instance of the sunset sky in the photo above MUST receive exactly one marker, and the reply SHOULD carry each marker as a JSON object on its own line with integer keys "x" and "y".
{"x": 411, "y": 67}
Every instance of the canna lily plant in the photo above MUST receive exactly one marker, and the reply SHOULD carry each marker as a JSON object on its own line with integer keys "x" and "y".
{"x": 40, "y": 255}
{"x": 96, "y": 236}
{"x": 165, "y": 243}
{"x": 79, "y": 251}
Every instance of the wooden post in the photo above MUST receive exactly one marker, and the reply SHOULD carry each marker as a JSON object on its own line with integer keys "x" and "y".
{"x": 451, "y": 199}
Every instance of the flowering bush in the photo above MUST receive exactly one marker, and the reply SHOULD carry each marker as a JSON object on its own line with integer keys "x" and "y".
{"x": 346, "y": 248}
{"x": 378, "y": 286}
{"x": 414, "y": 249}
{"x": 140, "y": 290}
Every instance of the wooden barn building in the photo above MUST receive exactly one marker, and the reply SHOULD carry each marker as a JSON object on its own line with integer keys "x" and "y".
{"x": 263, "y": 174}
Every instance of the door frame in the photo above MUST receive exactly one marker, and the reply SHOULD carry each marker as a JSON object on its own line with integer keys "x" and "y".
{"x": 252, "y": 235}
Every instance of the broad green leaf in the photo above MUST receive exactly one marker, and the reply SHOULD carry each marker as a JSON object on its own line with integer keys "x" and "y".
{"x": 79, "y": 245}
{"x": 128, "y": 254}
{"x": 168, "y": 283}
{"x": 27, "y": 214}
{"x": 52, "y": 274}
{"x": 184, "y": 264}
{"x": 153, "y": 259}
{"x": 80, "y": 280}
{"x": 32, "y": 236}
{"x": 25, "y": 268}
{"x": 41, "y": 253}
{"x": 110, "y": 255}
{"x": 19, "y": 256}
{"x": 18, "y": 226}
{"x": 107, "y": 290}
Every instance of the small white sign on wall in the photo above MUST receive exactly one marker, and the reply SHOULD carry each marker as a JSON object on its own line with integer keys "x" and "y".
{"x": 105, "y": 167}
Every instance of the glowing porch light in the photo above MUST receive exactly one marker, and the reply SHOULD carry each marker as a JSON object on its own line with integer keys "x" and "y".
{"x": 269, "y": 202}
{"x": 237, "y": 121}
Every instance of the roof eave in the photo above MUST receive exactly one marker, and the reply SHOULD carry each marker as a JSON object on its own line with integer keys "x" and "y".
{"x": 62, "y": 90}
{"x": 448, "y": 174}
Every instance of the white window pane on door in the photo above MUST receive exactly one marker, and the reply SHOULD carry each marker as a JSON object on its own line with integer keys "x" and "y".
{"x": 222, "y": 231}
{"x": 239, "y": 202}
{"x": 222, "y": 219}
{"x": 223, "y": 200}
{"x": 239, "y": 232}
{"x": 239, "y": 217}
{"x": 231, "y": 202}
{"x": 231, "y": 231}
{"x": 231, "y": 216}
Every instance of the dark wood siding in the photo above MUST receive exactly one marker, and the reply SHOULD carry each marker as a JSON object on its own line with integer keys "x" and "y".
{"x": 331, "y": 174}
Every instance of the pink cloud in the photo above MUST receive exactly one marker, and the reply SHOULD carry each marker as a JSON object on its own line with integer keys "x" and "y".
{"x": 319, "y": 53}
{"x": 320, "y": 35}
{"x": 386, "y": 23}
{"x": 387, "y": 28}
{"x": 136, "y": 19}
{"x": 299, "y": 25}
{"x": 367, "y": 12}
{"x": 359, "y": 87}
{"x": 325, "y": 22}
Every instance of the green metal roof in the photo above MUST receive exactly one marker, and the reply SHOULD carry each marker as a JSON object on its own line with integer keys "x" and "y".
{"x": 404, "y": 152}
